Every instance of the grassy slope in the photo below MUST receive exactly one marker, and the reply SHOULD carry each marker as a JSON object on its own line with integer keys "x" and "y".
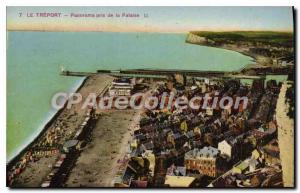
{"x": 269, "y": 37}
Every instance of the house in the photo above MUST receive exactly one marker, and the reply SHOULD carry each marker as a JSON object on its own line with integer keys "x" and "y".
{"x": 260, "y": 137}
{"x": 252, "y": 165}
{"x": 271, "y": 153}
{"x": 179, "y": 181}
{"x": 151, "y": 158}
{"x": 209, "y": 111}
{"x": 135, "y": 169}
{"x": 148, "y": 146}
{"x": 255, "y": 154}
{"x": 139, "y": 184}
{"x": 210, "y": 138}
{"x": 204, "y": 160}
{"x": 121, "y": 87}
{"x": 176, "y": 171}
{"x": 240, "y": 125}
{"x": 241, "y": 168}
{"x": 183, "y": 126}
{"x": 190, "y": 135}
{"x": 225, "y": 148}
{"x": 233, "y": 147}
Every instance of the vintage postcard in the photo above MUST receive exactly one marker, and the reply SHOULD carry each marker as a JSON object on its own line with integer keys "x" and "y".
{"x": 150, "y": 97}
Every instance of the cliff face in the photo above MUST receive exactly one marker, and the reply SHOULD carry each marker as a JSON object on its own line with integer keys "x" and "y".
{"x": 267, "y": 48}
{"x": 194, "y": 39}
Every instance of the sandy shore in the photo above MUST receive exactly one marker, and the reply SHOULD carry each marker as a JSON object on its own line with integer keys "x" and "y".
{"x": 285, "y": 138}
{"x": 36, "y": 172}
{"x": 97, "y": 164}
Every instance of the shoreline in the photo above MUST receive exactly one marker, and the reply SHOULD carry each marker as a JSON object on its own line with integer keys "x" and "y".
{"x": 34, "y": 171}
{"x": 44, "y": 126}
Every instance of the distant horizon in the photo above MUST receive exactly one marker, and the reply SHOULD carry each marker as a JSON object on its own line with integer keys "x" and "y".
{"x": 31, "y": 30}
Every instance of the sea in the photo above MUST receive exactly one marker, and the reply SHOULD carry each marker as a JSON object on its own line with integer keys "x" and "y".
{"x": 34, "y": 61}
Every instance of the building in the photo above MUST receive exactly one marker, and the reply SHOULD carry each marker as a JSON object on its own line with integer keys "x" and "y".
{"x": 176, "y": 170}
{"x": 225, "y": 148}
{"x": 261, "y": 137}
{"x": 233, "y": 147}
{"x": 252, "y": 165}
{"x": 151, "y": 158}
{"x": 135, "y": 170}
{"x": 179, "y": 181}
{"x": 241, "y": 168}
{"x": 204, "y": 160}
{"x": 271, "y": 153}
{"x": 121, "y": 87}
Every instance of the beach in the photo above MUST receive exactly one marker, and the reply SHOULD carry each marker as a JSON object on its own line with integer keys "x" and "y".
{"x": 97, "y": 164}
{"x": 286, "y": 138}
{"x": 63, "y": 127}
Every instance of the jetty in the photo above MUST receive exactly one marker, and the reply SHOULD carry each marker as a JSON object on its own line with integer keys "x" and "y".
{"x": 163, "y": 74}
{"x": 71, "y": 73}
{"x": 244, "y": 73}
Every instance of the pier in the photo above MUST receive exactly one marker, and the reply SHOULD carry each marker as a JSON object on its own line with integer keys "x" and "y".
{"x": 155, "y": 74}
{"x": 164, "y": 74}
{"x": 80, "y": 74}
{"x": 246, "y": 73}
{"x": 168, "y": 72}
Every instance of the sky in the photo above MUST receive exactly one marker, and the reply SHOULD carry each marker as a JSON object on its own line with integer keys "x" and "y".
{"x": 152, "y": 19}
